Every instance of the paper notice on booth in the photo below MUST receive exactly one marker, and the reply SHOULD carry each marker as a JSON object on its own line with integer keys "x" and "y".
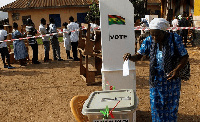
{"x": 126, "y": 68}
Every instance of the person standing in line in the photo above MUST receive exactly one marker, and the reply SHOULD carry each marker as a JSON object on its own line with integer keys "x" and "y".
{"x": 74, "y": 28}
{"x": 184, "y": 23}
{"x": 165, "y": 84}
{"x": 20, "y": 51}
{"x": 144, "y": 33}
{"x": 175, "y": 24}
{"x": 93, "y": 28}
{"x": 45, "y": 39}
{"x": 54, "y": 40}
{"x": 3, "y": 48}
{"x": 31, "y": 31}
{"x": 190, "y": 19}
{"x": 67, "y": 41}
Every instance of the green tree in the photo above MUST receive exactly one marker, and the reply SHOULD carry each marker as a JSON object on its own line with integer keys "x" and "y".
{"x": 139, "y": 8}
{"x": 139, "y": 12}
{"x": 94, "y": 13}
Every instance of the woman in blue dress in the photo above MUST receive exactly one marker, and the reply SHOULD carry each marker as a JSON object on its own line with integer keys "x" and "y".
{"x": 165, "y": 85}
{"x": 20, "y": 51}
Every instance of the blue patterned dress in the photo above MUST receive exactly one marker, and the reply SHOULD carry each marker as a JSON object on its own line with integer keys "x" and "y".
{"x": 164, "y": 96}
{"x": 20, "y": 51}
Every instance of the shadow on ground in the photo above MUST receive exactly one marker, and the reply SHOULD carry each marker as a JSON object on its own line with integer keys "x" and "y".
{"x": 23, "y": 73}
{"x": 54, "y": 64}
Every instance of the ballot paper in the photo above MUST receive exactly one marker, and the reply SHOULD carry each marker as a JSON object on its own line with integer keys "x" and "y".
{"x": 126, "y": 68}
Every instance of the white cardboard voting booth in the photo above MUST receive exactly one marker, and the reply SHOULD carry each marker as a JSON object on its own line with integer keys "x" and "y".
{"x": 117, "y": 38}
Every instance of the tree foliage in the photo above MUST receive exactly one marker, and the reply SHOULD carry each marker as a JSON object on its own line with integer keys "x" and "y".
{"x": 139, "y": 8}
{"x": 94, "y": 13}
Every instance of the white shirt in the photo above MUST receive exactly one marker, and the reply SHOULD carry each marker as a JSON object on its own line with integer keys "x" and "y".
{"x": 74, "y": 35}
{"x": 93, "y": 29}
{"x": 175, "y": 22}
{"x": 3, "y": 33}
{"x": 66, "y": 37}
{"x": 29, "y": 30}
{"x": 43, "y": 31}
{"x": 143, "y": 25}
{"x": 66, "y": 33}
{"x": 52, "y": 28}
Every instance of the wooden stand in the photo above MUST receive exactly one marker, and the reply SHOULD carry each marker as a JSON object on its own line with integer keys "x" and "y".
{"x": 91, "y": 50}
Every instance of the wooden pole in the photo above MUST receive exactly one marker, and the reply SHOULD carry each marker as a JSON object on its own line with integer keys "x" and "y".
{"x": 162, "y": 1}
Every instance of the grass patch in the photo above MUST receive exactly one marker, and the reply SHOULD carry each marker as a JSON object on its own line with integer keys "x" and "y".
{"x": 39, "y": 40}
{"x": 60, "y": 39}
{"x": 11, "y": 46}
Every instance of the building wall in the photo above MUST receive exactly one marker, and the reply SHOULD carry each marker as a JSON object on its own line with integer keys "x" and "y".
{"x": 152, "y": 8}
{"x": 178, "y": 7}
{"x": 196, "y": 8}
{"x": 196, "y": 13}
{"x": 37, "y": 14}
{"x": 164, "y": 8}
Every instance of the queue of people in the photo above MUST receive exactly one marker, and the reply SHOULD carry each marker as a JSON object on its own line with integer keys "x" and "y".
{"x": 70, "y": 38}
{"x": 178, "y": 21}
{"x": 183, "y": 21}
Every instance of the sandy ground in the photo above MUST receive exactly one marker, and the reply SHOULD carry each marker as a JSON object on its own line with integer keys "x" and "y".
{"x": 42, "y": 93}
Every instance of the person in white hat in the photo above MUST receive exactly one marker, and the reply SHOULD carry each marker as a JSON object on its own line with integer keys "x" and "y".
{"x": 165, "y": 84}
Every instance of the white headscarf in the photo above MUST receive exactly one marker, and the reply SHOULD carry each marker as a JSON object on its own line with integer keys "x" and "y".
{"x": 159, "y": 23}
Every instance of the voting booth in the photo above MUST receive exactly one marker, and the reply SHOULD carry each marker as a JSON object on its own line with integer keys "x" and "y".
{"x": 117, "y": 38}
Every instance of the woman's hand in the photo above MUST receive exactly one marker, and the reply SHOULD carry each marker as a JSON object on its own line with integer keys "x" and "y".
{"x": 127, "y": 56}
{"x": 173, "y": 74}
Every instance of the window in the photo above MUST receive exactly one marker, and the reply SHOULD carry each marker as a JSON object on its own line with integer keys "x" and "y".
{"x": 15, "y": 16}
{"x": 81, "y": 17}
{"x": 57, "y": 19}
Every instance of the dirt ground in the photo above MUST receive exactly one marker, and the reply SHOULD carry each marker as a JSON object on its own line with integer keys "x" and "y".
{"x": 42, "y": 93}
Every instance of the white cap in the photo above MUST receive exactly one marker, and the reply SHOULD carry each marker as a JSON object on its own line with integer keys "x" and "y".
{"x": 159, "y": 23}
